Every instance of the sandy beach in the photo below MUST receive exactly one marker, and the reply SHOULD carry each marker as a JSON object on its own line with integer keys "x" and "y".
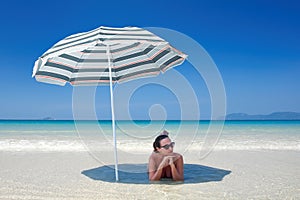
{"x": 87, "y": 84}
{"x": 221, "y": 175}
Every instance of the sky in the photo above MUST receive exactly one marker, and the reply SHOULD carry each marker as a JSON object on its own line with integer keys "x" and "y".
{"x": 254, "y": 44}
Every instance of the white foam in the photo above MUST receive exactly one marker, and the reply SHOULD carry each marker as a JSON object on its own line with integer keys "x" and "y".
{"x": 41, "y": 145}
{"x": 254, "y": 145}
{"x": 77, "y": 145}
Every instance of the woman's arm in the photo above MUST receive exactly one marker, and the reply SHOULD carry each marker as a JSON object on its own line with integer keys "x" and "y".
{"x": 177, "y": 169}
{"x": 155, "y": 174}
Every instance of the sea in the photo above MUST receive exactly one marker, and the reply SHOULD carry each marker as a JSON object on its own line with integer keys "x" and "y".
{"x": 74, "y": 136}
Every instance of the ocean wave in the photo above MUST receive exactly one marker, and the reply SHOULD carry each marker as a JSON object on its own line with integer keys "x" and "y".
{"x": 77, "y": 145}
{"x": 259, "y": 147}
{"x": 253, "y": 145}
{"x": 42, "y": 145}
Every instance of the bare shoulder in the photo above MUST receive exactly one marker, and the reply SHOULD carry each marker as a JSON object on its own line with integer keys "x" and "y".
{"x": 154, "y": 160}
{"x": 154, "y": 156}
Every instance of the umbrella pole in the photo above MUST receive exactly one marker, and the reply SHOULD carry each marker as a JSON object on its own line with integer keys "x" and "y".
{"x": 112, "y": 114}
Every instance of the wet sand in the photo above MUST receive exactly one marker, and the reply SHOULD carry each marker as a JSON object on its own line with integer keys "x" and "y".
{"x": 221, "y": 175}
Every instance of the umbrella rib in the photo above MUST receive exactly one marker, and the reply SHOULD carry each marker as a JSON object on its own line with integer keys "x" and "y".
{"x": 171, "y": 62}
{"x": 52, "y": 75}
{"x": 121, "y": 29}
{"x": 70, "y": 42}
{"x": 68, "y": 47}
{"x": 80, "y": 34}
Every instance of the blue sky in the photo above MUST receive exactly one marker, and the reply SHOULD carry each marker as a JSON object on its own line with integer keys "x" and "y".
{"x": 255, "y": 45}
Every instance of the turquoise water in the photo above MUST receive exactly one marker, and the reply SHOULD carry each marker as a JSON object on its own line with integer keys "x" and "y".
{"x": 31, "y": 135}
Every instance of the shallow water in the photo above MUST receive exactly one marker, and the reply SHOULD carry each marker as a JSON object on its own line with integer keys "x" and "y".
{"x": 31, "y": 135}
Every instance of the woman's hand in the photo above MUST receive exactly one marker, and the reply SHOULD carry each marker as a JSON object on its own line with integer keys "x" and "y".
{"x": 164, "y": 162}
{"x": 171, "y": 160}
{"x": 167, "y": 160}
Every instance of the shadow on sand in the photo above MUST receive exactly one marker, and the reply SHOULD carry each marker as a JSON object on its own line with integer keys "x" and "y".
{"x": 136, "y": 174}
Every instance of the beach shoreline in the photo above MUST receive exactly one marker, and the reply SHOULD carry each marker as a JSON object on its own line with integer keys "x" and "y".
{"x": 221, "y": 175}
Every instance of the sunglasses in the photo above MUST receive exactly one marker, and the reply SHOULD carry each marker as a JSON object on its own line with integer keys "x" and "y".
{"x": 167, "y": 146}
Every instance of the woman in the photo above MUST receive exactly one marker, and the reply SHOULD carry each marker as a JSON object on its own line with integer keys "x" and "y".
{"x": 163, "y": 162}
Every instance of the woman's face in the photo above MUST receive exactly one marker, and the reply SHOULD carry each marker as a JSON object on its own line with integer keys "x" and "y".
{"x": 166, "y": 146}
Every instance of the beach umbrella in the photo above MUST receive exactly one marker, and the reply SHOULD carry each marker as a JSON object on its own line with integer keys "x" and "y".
{"x": 106, "y": 55}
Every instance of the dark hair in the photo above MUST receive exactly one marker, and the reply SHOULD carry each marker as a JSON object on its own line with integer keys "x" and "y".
{"x": 156, "y": 143}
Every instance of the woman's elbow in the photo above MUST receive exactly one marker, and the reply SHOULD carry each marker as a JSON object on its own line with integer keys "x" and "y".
{"x": 178, "y": 179}
{"x": 153, "y": 179}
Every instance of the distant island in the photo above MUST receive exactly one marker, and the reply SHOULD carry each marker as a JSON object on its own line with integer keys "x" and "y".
{"x": 47, "y": 118}
{"x": 272, "y": 116}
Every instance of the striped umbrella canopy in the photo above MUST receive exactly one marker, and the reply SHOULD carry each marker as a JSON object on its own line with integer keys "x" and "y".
{"x": 86, "y": 58}
{"x": 106, "y": 55}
